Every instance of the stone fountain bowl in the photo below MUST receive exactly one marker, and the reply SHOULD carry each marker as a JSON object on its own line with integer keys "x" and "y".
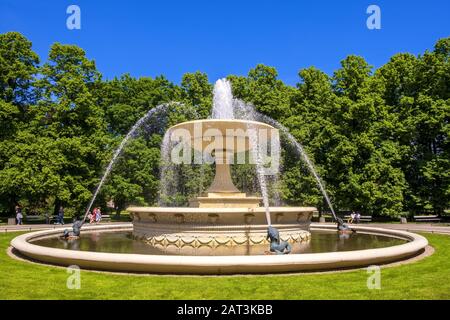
{"x": 203, "y": 133}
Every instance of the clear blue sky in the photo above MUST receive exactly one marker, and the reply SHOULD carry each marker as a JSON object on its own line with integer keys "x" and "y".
{"x": 149, "y": 38}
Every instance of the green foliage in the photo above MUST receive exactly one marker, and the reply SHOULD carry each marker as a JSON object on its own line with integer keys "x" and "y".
{"x": 378, "y": 138}
{"x": 262, "y": 88}
{"x": 18, "y": 65}
{"x": 197, "y": 91}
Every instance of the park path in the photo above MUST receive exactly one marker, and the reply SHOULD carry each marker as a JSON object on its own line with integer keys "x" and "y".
{"x": 441, "y": 228}
{"x": 412, "y": 227}
{"x": 415, "y": 227}
{"x": 36, "y": 227}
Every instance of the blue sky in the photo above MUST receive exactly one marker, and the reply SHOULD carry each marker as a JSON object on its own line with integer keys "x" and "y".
{"x": 150, "y": 38}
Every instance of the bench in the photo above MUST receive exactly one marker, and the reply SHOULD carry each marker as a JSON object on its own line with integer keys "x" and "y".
{"x": 51, "y": 219}
{"x": 427, "y": 218}
{"x": 326, "y": 216}
{"x": 33, "y": 219}
{"x": 361, "y": 219}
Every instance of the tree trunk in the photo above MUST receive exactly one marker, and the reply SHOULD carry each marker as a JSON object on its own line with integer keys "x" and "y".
{"x": 119, "y": 209}
{"x": 56, "y": 208}
{"x": 12, "y": 205}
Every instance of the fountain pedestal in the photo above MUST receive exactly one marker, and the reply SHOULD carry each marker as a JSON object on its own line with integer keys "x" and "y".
{"x": 225, "y": 200}
{"x": 223, "y": 193}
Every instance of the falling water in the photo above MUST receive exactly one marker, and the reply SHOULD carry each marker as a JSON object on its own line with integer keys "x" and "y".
{"x": 167, "y": 168}
{"x": 247, "y": 111}
{"x": 252, "y": 135}
{"x": 309, "y": 163}
{"x": 223, "y": 109}
{"x": 117, "y": 152}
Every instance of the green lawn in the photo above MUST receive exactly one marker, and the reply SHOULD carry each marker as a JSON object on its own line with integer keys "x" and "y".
{"x": 425, "y": 279}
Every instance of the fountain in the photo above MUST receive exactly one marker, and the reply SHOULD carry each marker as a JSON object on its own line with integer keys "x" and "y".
{"x": 223, "y": 218}
{"x": 223, "y": 230}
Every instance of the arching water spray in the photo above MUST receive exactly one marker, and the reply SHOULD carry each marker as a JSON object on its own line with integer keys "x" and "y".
{"x": 117, "y": 152}
{"x": 248, "y": 112}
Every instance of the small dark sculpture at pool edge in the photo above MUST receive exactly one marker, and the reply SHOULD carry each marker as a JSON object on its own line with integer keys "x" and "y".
{"x": 343, "y": 227}
{"x": 76, "y": 229}
{"x": 276, "y": 245}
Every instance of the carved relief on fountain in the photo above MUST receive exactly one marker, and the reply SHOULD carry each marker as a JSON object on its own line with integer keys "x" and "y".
{"x": 215, "y": 227}
{"x": 215, "y": 241}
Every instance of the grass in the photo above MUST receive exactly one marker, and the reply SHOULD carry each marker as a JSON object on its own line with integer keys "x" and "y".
{"x": 426, "y": 279}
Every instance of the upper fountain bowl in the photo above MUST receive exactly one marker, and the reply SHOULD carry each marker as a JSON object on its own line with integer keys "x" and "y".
{"x": 221, "y": 133}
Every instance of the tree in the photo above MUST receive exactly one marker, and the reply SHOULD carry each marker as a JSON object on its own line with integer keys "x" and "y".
{"x": 351, "y": 79}
{"x": 69, "y": 114}
{"x": 262, "y": 88}
{"x": 417, "y": 93}
{"x": 18, "y": 65}
{"x": 371, "y": 181}
{"x": 197, "y": 91}
{"x": 126, "y": 99}
{"x": 311, "y": 125}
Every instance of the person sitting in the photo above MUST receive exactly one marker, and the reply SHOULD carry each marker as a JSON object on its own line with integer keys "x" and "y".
{"x": 90, "y": 217}
{"x": 93, "y": 216}
{"x": 352, "y": 217}
{"x": 357, "y": 217}
{"x": 276, "y": 245}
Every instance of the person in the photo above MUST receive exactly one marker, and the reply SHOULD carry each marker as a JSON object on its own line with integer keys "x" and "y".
{"x": 90, "y": 216}
{"x": 352, "y": 217}
{"x": 98, "y": 215}
{"x": 19, "y": 215}
{"x": 93, "y": 216}
{"x": 76, "y": 230}
{"x": 276, "y": 245}
{"x": 357, "y": 217}
{"x": 61, "y": 215}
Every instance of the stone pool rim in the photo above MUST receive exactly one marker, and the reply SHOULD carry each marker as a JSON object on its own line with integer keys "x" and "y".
{"x": 258, "y": 264}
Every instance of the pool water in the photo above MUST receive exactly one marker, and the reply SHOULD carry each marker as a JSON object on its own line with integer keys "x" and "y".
{"x": 123, "y": 242}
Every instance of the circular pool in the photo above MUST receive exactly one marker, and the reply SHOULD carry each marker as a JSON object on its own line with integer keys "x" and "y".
{"x": 112, "y": 248}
